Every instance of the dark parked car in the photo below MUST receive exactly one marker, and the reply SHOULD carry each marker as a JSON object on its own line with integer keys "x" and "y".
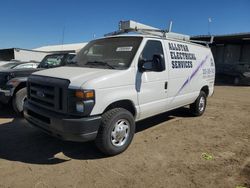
{"x": 13, "y": 77}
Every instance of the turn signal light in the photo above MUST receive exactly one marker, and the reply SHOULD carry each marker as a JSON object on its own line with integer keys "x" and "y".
{"x": 85, "y": 95}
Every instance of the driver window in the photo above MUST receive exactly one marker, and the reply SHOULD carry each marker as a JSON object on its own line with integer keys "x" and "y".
{"x": 151, "y": 48}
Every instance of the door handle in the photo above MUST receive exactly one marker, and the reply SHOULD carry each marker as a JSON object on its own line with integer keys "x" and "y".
{"x": 166, "y": 85}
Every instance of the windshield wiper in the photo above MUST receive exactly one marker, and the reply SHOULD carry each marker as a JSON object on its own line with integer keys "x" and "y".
{"x": 100, "y": 63}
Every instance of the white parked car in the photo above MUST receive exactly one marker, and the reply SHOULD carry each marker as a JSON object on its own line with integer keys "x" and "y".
{"x": 18, "y": 65}
{"x": 118, "y": 80}
{"x": 7, "y": 64}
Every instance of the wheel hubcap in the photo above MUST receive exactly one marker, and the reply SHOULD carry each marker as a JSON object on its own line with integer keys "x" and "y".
{"x": 202, "y": 104}
{"x": 120, "y": 132}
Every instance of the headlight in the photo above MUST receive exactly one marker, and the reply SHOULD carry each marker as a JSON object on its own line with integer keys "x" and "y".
{"x": 84, "y": 101}
{"x": 79, "y": 107}
{"x": 10, "y": 76}
{"x": 13, "y": 82}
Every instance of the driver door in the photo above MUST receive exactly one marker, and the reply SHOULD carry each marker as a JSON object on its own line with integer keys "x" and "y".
{"x": 152, "y": 86}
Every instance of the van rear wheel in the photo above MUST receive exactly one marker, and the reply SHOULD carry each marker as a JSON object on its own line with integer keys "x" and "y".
{"x": 199, "y": 106}
{"x": 116, "y": 131}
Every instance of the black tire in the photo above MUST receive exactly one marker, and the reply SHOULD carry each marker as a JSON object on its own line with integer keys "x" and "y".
{"x": 195, "y": 108}
{"x": 18, "y": 100}
{"x": 109, "y": 122}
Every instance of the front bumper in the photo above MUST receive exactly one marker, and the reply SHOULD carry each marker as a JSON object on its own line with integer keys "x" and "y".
{"x": 5, "y": 96}
{"x": 63, "y": 127}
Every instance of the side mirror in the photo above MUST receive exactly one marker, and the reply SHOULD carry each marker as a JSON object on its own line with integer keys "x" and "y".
{"x": 144, "y": 65}
{"x": 157, "y": 64}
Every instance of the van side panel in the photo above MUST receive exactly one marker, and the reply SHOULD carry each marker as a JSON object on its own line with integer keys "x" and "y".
{"x": 187, "y": 66}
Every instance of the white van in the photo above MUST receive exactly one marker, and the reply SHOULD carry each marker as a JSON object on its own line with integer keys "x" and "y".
{"x": 118, "y": 80}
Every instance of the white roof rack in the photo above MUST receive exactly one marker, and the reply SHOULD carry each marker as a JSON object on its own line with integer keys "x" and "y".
{"x": 132, "y": 26}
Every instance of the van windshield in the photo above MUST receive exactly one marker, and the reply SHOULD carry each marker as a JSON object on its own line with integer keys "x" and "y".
{"x": 108, "y": 53}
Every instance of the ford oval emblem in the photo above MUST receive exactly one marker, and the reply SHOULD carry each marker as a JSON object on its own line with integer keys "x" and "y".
{"x": 40, "y": 94}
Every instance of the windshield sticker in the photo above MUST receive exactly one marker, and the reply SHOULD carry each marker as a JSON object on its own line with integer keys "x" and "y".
{"x": 124, "y": 49}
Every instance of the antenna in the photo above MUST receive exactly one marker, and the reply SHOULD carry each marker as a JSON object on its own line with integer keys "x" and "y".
{"x": 170, "y": 26}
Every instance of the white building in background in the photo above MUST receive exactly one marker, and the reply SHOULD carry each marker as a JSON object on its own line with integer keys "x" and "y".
{"x": 20, "y": 54}
{"x": 37, "y": 54}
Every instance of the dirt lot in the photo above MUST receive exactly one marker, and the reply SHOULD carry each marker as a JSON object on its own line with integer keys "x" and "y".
{"x": 166, "y": 151}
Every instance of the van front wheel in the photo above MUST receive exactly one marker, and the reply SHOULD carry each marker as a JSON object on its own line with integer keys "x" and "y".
{"x": 116, "y": 131}
{"x": 199, "y": 106}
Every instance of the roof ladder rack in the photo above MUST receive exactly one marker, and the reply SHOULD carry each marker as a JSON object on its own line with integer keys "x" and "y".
{"x": 132, "y": 26}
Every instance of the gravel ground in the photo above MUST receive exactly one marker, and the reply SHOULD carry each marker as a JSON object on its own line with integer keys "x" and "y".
{"x": 167, "y": 151}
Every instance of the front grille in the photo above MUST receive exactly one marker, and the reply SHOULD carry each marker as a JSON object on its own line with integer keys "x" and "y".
{"x": 49, "y": 93}
{"x": 39, "y": 116}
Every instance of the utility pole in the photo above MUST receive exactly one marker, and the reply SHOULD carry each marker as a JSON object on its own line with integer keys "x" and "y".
{"x": 63, "y": 32}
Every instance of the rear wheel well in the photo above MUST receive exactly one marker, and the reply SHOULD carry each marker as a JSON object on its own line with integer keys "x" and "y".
{"x": 205, "y": 89}
{"x": 126, "y": 104}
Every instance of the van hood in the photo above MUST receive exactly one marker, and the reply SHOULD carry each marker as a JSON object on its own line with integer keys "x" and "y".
{"x": 77, "y": 76}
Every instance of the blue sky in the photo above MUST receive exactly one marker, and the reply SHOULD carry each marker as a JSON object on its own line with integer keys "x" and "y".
{"x": 33, "y": 23}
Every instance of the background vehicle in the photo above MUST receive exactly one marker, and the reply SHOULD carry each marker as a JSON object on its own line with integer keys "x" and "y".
{"x": 13, "y": 78}
{"x": 2, "y": 63}
{"x": 238, "y": 74}
{"x": 19, "y": 65}
{"x": 118, "y": 80}
{"x": 232, "y": 57}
